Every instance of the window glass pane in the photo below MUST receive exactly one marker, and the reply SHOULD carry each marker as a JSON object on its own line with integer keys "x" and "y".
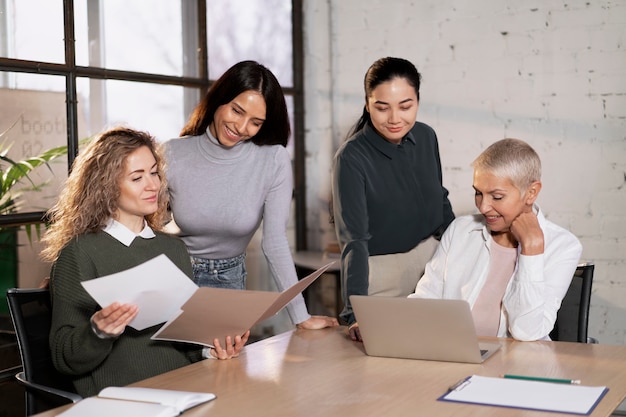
{"x": 32, "y": 122}
{"x": 259, "y": 30}
{"x": 28, "y": 81}
{"x": 155, "y": 108}
{"x": 33, "y": 119}
{"x": 130, "y": 35}
{"x": 32, "y": 30}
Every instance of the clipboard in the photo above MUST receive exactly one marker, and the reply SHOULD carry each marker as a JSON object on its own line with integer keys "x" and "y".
{"x": 524, "y": 394}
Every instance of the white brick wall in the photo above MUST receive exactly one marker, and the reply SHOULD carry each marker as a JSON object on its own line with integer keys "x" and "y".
{"x": 550, "y": 72}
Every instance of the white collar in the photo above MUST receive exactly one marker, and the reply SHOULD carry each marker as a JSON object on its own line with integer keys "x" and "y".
{"x": 124, "y": 234}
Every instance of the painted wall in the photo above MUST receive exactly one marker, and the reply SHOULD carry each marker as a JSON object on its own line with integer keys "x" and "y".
{"x": 552, "y": 73}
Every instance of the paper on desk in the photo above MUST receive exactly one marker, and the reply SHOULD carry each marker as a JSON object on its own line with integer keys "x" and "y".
{"x": 214, "y": 313}
{"x": 180, "y": 400}
{"x": 532, "y": 395}
{"x": 104, "y": 407}
{"x": 157, "y": 287}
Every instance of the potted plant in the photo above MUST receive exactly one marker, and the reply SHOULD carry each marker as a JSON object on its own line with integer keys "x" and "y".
{"x": 14, "y": 181}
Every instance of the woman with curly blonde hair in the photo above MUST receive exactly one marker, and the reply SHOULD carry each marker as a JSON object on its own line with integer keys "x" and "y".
{"x": 90, "y": 197}
{"x": 108, "y": 220}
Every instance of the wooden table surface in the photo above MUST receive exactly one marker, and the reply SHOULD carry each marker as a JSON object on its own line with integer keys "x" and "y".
{"x": 323, "y": 373}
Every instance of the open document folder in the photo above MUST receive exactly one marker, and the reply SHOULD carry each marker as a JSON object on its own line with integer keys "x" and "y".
{"x": 213, "y": 313}
{"x": 164, "y": 293}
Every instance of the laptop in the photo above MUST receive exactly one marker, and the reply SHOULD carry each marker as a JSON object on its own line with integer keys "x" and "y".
{"x": 419, "y": 328}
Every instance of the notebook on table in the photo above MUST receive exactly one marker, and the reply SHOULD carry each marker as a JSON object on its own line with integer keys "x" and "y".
{"x": 419, "y": 328}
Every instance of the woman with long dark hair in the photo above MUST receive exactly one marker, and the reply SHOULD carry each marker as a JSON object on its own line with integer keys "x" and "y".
{"x": 388, "y": 199}
{"x": 229, "y": 173}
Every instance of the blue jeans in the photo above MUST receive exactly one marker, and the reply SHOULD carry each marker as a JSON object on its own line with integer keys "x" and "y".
{"x": 220, "y": 273}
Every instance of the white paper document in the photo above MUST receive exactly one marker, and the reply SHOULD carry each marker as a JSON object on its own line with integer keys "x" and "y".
{"x": 137, "y": 402}
{"x": 180, "y": 400}
{"x": 105, "y": 407}
{"x": 157, "y": 287}
{"x": 532, "y": 395}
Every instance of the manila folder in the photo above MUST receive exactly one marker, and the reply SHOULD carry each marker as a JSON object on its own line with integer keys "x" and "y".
{"x": 214, "y": 313}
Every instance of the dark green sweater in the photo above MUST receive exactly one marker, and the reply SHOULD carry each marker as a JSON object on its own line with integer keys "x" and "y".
{"x": 96, "y": 363}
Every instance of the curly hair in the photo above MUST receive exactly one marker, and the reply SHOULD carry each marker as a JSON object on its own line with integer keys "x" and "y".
{"x": 91, "y": 193}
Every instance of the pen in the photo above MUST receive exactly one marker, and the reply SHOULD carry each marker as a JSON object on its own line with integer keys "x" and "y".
{"x": 536, "y": 378}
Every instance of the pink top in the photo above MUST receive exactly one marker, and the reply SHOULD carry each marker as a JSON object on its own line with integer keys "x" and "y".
{"x": 486, "y": 310}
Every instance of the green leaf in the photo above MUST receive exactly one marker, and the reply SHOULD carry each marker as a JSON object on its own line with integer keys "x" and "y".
{"x": 12, "y": 172}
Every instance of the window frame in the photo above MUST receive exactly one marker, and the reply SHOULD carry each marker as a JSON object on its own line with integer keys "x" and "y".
{"x": 197, "y": 78}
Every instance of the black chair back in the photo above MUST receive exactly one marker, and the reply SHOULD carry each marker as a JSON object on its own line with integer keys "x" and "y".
{"x": 572, "y": 320}
{"x": 31, "y": 313}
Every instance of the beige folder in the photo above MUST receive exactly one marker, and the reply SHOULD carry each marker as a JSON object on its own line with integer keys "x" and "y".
{"x": 214, "y": 313}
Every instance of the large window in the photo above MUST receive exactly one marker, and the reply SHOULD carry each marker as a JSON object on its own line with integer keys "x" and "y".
{"x": 71, "y": 68}
{"x": 84, "y": 65}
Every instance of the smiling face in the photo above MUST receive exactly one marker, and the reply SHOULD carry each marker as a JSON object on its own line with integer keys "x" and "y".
{"x": 240, "y": 119}
{"x": 500, "y": 201}
{"x": 392, "y": 106}
{"x": 139, "y": 189}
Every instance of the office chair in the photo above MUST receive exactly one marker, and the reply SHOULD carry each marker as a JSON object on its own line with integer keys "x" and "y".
{"x": 46, "y": 388}
{"x": 572, "y": 318}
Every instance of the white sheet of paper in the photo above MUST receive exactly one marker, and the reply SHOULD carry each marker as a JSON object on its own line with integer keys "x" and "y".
{"x": 103, "y": 407}
{"x": 180, "y": 400}
{"x": 156, "y": 286}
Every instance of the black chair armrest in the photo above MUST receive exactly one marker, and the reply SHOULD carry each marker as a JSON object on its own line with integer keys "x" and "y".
{"x": 48, "y": 390}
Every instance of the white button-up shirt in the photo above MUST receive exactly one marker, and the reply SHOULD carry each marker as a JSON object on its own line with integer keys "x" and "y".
{"x": 533, "y": 296}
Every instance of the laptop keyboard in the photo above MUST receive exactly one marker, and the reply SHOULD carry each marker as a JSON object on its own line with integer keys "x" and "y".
{"x": 482, "y": 352}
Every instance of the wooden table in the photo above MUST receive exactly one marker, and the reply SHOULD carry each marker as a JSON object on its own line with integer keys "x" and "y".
{"x": 321, "y": 373}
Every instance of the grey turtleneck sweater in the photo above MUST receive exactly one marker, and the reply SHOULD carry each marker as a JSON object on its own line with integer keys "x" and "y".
{"x": 220, "y": 195}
